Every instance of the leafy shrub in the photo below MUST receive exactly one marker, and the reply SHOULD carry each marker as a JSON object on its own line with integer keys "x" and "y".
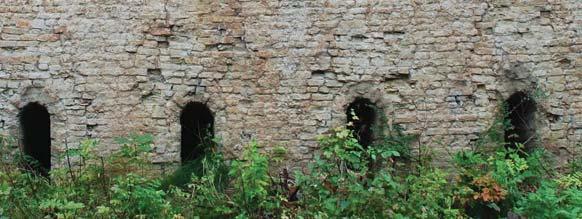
{"x": 344, "y": 180}
{"x": 338, "y": 182}
{"x": 60, "y": 208}
{"x": 499, "y": 180}
{"x": 204, "y": 193}
{"x": 211, "y": 163}
{"x": 552, "y": 201}
{"x": 144, "y": 195}
{"x": 428, "y": 195}
{"x": 252, "y": 183}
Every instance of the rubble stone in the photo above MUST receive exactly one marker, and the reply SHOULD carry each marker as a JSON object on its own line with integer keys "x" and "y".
{"x": 282, "y": 72}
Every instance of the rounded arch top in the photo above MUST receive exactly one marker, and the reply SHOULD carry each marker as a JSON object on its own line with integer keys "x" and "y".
{"x": 35, "y": 125}
{"x": 197, "y": 130}
{"x": 177, "y": 104}
{"x": 198, "y": 108}
{"x": 375, "y": 94}
{"x": 43, "y": 96}
{"x": 521, "y": 109}
{"x": 362, "y": 116}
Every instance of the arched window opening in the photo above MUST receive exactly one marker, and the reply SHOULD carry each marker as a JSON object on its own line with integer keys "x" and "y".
{"x": 197, "y": 130}
{"x": 362, "y": 115}
{"x": 36, "y": 137}
{"x": 521, "y": 114}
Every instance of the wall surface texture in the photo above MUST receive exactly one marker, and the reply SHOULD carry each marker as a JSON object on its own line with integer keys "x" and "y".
{"x": 283, "y": 72}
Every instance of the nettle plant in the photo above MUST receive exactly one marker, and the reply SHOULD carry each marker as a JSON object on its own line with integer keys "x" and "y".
{"x": 254, "y": 191}
{"x": 112, "y": 186}
{"x": 345, "y": 179}
{"x": 502, "y": 176}
{"x": 498, "y": 180}
{"x": 339, "y": 181}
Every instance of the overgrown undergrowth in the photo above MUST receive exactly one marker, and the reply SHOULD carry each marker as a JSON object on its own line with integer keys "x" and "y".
{"x": 344, "y": 180}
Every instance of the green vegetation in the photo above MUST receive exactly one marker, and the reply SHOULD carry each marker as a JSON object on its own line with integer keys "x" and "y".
{"x": 344, "y": 180}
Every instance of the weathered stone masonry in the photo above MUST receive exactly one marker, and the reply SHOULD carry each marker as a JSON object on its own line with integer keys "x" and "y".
{"x": 283, "y": 72}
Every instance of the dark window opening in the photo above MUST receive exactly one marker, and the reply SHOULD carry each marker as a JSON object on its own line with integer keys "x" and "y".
{"x": 521, "y": 114}
{"x": 318, "y": 73}
{"x": 36, "y": 137}
{"x": 155, "y": 74}
{"x": 197, "y": 130}
{"x": 362, "y": 114}
{"x": 163, "y": 44}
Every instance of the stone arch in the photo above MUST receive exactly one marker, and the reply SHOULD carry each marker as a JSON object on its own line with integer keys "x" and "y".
{"x": 176, "y": 105}
{"x": 362, "y": 116}
{"x": 521, "y": 110}
{"x": 35, "y": 124}
{"x": 377, "y": 94}
{"x": 50, "y": 100}
{"x": 197, "y": 129}
{"x": 46, "y": 97}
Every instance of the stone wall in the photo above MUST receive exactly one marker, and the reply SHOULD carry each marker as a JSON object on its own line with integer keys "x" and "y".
{"x": 283, "y": 72}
